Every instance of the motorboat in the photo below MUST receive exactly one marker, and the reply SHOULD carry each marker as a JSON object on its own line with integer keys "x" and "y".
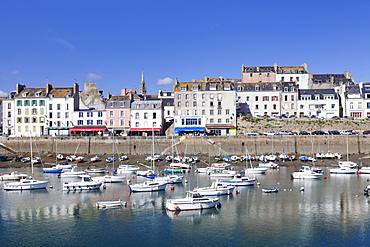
{"x": 345, "y": 167}
{"x": 239, "y": 180}
{"x": 25, "y": 159}
{"x": 320, "y": 156}
{"x": 110, "y": 204}
{"x": 303, "y": 158}
{"x": 72, "y": 173}
{"x": 53, "y": 169}
{"x": 145, "y": 173}
{"x": 86, "y": 183}
{"x": 270, "y": 164}
{"x": 36, "y": 160}
{"x": 109, "y": 159}
{"x": 367, "y": 190}
{"x": 223, "y": 174}
{"x": 109, "y": 179}
{"x": 365, "y": 170}
{"x": 170, "y": 179}
{"x": 122, "y": 169}
{"x": 215, "y": 189}
{"x": 306, "y": 172}
{"x": 79, "y": 158}
{"x": 220, "y": 166}
{"x": 256, "y": 170}
{"x": 147, "y": 186}
{"x": 192, "y": 201}
{"x": 329, "y": 155}
{"x": 26, "y": 184}
{"x": 182, "y": 165}
{"x": 123, "y": 158}
{"x": 13, "y": 176}
{"x": 4, "y": 157}
{"x": 60, "y": 156}
{"x": 175, "y": 169}
{"x": 207, "y": 170}
{"x": 95, "y": 170}
{"x": 65, "y": 166}
{"x": 95, "y": 158}
{"x": 71, "y": 158}
{"x": 283, "y": 156}
{"x": 270, "y": 190}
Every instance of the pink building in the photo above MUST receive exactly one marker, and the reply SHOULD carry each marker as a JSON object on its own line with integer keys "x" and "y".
{"x": 119, "y": 113}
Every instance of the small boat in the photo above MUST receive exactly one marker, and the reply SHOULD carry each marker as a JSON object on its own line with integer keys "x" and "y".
{"x": 71, "y": 158}
{"x": 182, "y": 165}
{"x": 271, "y": 157}
{"x": 215, "y": 189}
{"x": 13, "y": 176}
{"x": 109, "y": 159}
{"x": 53, "y": 169}
{"x": 147, "y": 186}
{"x": 109, "y": 179}
{"x": 80, "y": 159}
{"x": 26, "y": 184}
{"x": 207, "y": 170}
{"x": 345, "y": 167}
{"x": 239, "y": 180}
{"x": 123, "y": 158}
{"x": 303, "y": 158}
{"x": 95, "y": 158}
{"x": 73, "y": 173}
{"x": 256, "y": 170}
{"x": 36, "y": 160}
{"x": 220, "y": 166}
{"x": 365, "y": 170}
{"x": 223, "y": 174}
{"x": 145, "y": 173}
{"x": 338, "y": 155}
{"x": 270, "y": 190}
{"x": 307, "y": 172}
{"x": 192, "y": 201}
{"x": 283, "y": 156}
{"x": 95, "y": 170}
{"x": 64, "y": 166}
{"x": 122, "y": 169}
{"x": 86, "y": 183}
{"x": 110, "y": 204}
{"x": 367, "y": 190}
{"x": 329, "y": 155}
{"x": 26, "y": 159}
{"x": 3, "y": 157}
{"x": 175, "y": 169}
{"x": 170, "y": 179}
{"x": 320, "y": 155}
{"x": 270, "y": 164}
{"x": 60, "y": 156}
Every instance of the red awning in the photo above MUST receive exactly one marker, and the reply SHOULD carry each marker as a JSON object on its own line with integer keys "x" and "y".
{"x": 88, "y": 129}
{"x": 145, "y": 129}
{"x": 222, "y": 127}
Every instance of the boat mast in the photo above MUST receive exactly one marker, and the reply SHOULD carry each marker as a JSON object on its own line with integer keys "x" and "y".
{"x": 31, "y": 153}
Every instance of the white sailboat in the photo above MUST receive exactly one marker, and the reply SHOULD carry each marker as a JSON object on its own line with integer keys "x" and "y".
{"x": 27, "y": 184}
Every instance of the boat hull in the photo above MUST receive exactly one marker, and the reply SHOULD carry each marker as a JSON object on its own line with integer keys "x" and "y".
{"x": 109, "y": 179}
{"x": 144, "y": 187}
{"x": 26, "y": 185}
{"x": 110, "y": 204}
{"x": 300, "y": 175}
{"x": 81, "y": 186}
{"x": 184, "y": 205}
{"x": 239, "y": 182}
{"x": 215, "y": 191}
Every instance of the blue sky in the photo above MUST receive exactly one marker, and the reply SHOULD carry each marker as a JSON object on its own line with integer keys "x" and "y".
{"x": 111, "y": 42}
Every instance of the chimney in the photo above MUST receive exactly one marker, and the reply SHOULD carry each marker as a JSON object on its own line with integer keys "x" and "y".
{"x": 49, "y": 87}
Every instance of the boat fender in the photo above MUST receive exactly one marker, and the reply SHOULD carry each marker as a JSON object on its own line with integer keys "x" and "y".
{"x": 80, "y": 187}
{"x": 237, "y": 192}
{"x": 358, "y": 172}
{"x": 67, "y": 187}
{"x": 73, "y": 187}
{"x": 176, "y": 207}
{"x": 172, "y": 188}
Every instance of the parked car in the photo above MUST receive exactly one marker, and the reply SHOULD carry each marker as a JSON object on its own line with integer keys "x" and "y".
{"x": 286, "y": 132}
{"x": 303, "y": 133}
{"x": 319, "y": 132}
{"x": 333, "y": 132}
{"x": 254, "y": 133}
{"x": 348, "y": 132}
{"x": 335, "y": 117}
{"x": 366, "y": 132}
{"x": 270, "y": 133}
{"x": 313, "y": 116}
{"x": 292, "y": 116}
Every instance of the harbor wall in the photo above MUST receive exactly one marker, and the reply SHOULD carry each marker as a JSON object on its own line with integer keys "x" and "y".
{"x": 209, "y": 146}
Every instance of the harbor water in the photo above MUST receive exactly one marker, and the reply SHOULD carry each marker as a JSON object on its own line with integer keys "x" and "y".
{"x": 329, "y": 212}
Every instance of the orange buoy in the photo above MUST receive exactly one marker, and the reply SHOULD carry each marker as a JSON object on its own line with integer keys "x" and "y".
{"x": 358, "y": 172}
{"x": 133, "y": 177}
{"x": 270, "y": 172}
{"x": 237, "y": 192}
{"x": 172, "y": 187}
{"x": 325, "y": 177}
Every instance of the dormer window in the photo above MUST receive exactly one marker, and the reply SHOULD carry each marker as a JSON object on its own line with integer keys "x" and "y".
{"x": 37, "y": 94}
{"x": 183, "y": 88}
{"x": 25, "y": 94}
{"x": 256, "y": 88}
{"x": 226, "y": 88}
{"x": 213, "y": 88}
{"x": 195, "y": 88}
{"x": 239, "y": 88}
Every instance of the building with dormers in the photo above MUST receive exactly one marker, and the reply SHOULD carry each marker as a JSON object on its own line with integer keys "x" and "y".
{"x": 119, "y": 113}
{"x": 205, "y": 106}
{"x": 321, "y": 103}
{"x": 327, "y": 81}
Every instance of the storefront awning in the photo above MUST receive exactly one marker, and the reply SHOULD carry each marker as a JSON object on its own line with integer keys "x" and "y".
{"x": 88, "y": 129}
{"x": 145, "y": 129}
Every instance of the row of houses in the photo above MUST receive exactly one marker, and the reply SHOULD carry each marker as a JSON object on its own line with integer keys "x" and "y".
{"x": 208, "y": 106}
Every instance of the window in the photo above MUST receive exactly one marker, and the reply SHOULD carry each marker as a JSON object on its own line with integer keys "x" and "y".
{"x": 19, "y": 103}
{"x": 351, "y": 105}
{"x": 19, "y": 120}
{"x": 219, "y": 112}
{"x": 292, "y": 106}
{"x": 58, "y": 115}
{"x": 99, "y": 122}
{"x": 256, "y": 88}
{"x": 67, "y": 107}
{"x": 179, "y": 96}
{"x": 122, "y": 122}
{"x": 100, "y": 114}
{"x": 211, "y": 120}
{"x": 186, "y": 96}
{"x": 183, "y": 88}
{"x": 50, "y": 115}
{"x": 239, "y": 88}
{"x": 203, "y": 103}
{"x": 194, "y": 103}
{"x": 268, "y": 74}
{"x": 19, "y": 111}
{"x": 26, "y": 119}
{"x": 297, "y": 79}
{"x": 219, "y": 120}
{"x": 227, "y": 120}
{"x": 256, "y": 98}
{"x": 187, "y": 104}
{"x": 111, "y": 122}
{"x": 26, "y": 103}
{"x": 80, "y": 114}
{"x": 286, "y": 97}
{"x": 80, "y": 122}
{"x": 194, "y": 96}
{"x": 154, "y": 124}
{"x": 89, "y": 122}
{"x": 211, "y": 96}
{"x": 154, "y": 115}
{"x": 211, "y": 103}
{"x": 137, "y": 124}
{"x": 264, "y": 106}
{"x": 89, "y": 114}
{"x": 265, "y": 98}
{"x": 195, "y": 88}
{"x": 195, "y": 112}
{"x": 203, "y": 96}
{"x": 227, "y": 111}
{"x": 359, "y": 105}
{"x": 136, "y": 115}
{"x": 34, "y": 111}
{"x": 42, "y": 102}
{"x": 282, "y": 78}
{"x": 274, "y": 98}
{"x": 203, "y": 112}
{"x": 50, "y": 106}
{"x": 122, "y": 113}
{"x": 34, "y": 120}
{"x": 111, "y": 113}
{"x": 256, "y": 107}
{"x": 291, "y": 78}
{"x": 247, "y": 98}
{"x": 219, "y": 97}
{"x": 9, "y": 114}
{"x": 292, "y": 97}
{"x": 67, "y": 115}
{"x": 42, "y": 120}
{"x": 179, "y": 104}
{"x": 274, "y": 106}
{"x": 210, "y": 112}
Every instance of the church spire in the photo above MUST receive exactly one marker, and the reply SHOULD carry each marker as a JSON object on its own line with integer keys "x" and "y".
{"x": 142, "y": 84}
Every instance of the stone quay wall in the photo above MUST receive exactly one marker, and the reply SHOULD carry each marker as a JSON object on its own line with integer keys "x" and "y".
{"x": 206, "y": 146}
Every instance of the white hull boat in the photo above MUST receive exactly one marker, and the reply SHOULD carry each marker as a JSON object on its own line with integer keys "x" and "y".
{"x": 207, "y": 170}
{"x": 192, "y": 201}
{"x": 26, "y": 184}
{"x": 256, "y": 170}
{"x": 110, "y": 204}
{"x": 365, "y": 170}
{"x": 343, "y": 170}
{"x": 239, "y": 181}
{"x": 13, "y": 176}
{"x": 64, "y": 166}
{"x": 223, "y": 174}
{"x": 215, "y": 189}
{"x": 86, "y": 183}
{"x": 122, "y": 169}
{"x": 170, "y": 179}
{"x": 148, "y": 186}
{"x": 306, "y": 172}
{"x": 97, "y": 170}
{"x": 72, "y": 173}
{"x": 109, "y": 179}
{"x": 270, "y": 190}
{"x": 270, "y": 164}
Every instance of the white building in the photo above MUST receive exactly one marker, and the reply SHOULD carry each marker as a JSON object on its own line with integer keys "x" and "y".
{"x": 318, "y": 102}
